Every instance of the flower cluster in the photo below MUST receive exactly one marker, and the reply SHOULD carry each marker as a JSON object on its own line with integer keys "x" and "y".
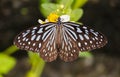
{"x": 53, "y": 17}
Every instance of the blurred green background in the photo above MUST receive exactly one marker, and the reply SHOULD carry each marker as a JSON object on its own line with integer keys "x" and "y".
{"x": 103, "y": 15}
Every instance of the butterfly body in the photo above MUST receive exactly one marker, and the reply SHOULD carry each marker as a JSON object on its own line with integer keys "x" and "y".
{"x": 60, "y": 39}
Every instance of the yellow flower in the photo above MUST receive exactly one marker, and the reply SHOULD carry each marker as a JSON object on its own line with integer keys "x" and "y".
{"x": 53, "y": 17}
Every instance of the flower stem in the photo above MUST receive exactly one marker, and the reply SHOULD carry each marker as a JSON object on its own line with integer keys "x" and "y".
{"x": 37, "y": 65}
{"x": 10, "y": 50}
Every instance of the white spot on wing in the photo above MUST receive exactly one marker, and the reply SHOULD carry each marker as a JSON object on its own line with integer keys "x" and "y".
{"x": 24, "y": 39}
{"x": 96, "y": 38}
{"x": 48, "y": 47}
{"x": 18, "y": 37}
{"x": 18, "y": 40}
{"x": 86, "y": 31}
{"x": 40, "y": 30}
{"x": 90, "y": 41}
{"x": 51, "y": 48}
{"x": 85, "y": 43}
{"x": 44, "y": 50}
{"x": 65, "y": 48}
{"x": 46, "y": 54}
{"x": 62, "y": 45}
{"x": 96, "y": 42}
{"x": 71, "y": 54}
{"x": 101, "y": 36}
{"x": 38, "y": 38}
{"x": 29, "y": 42}
{"x": 79, "y": 30}
{"x": 20, "y": 43}
{"x": 26, "y": 33}
{"x": 91, "y": 30}
{"x": 93, "y": 38}
{"x": 34, "y": 27}
{"x": 33, "y": 37}
{"x": 86, "y": 36}
{"x": 34, "y": 44}
{"x": 84, "y": 27}
{"x": 23, "y": 43}
{"x": 39, "y": 45}
{"x": 81, "y": 37}
{"x": 94, "y": 33}
{"x": 33, "y": 32}
{"x": 101, "y": 39}
{"x": 69, "y": 48}
{"x": 79, "y": 44}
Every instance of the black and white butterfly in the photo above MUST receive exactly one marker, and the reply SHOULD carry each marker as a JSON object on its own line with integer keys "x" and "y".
{"x": 63, "y": 39}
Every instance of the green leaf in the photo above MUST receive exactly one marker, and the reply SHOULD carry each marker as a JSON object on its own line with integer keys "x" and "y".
{"x": 44, "y": 1}
{"x": 1, "y": 75}
{"x": 47, "y": 8}
{"x": 76, "y": 14}
{"x": 67, "y": 3}
{"x": 6, "y": 63}
{"x": 85, "y": 54}
{"x": 78, "y": 3}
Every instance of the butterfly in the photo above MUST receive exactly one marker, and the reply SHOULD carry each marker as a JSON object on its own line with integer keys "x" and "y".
{"x": 60, "y": 39}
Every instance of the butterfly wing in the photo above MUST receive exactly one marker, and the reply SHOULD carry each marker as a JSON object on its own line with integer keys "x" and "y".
{"x": 79, "y": 38}
{"x": 69, "y": 50}
{"x": 39, "y": 39}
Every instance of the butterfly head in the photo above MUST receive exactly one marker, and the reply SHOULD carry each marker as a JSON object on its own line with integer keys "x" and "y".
{"x": 63, "y": 18}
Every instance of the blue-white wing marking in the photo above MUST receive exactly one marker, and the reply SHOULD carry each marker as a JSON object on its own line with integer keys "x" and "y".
{"x": 69, "y": 50}
{"x": 40, "y": 39}
{"x": 79, "y": 38}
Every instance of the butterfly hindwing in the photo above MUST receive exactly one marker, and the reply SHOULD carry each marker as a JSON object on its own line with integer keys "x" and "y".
{"x": 49, "y": 51}
{"x": 69, "y": 50}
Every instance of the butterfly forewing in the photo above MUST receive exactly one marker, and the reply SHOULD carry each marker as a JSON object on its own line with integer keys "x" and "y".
{"x": 85, "y": 38}
{"x": 39, "y": 39}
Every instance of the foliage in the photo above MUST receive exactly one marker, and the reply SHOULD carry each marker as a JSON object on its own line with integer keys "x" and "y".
{"x": 70, "y": 7}
{"x": 6, "y": 61}
{"x": 85, "y": 54}
{"x": 37, "y": 65}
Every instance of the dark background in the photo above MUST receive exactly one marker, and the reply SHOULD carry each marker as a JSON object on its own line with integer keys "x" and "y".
{"x": 103, "y": 15}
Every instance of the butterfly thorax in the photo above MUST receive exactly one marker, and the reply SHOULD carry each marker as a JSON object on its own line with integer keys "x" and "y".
{"x": 59, "y": 21}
